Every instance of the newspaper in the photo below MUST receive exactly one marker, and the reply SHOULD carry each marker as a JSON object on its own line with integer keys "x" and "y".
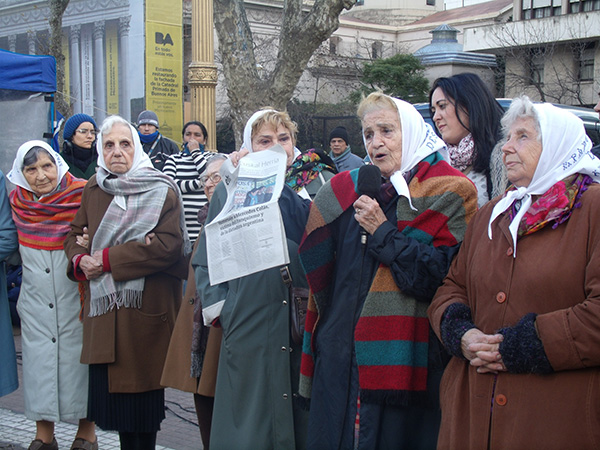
{"x": 248, "y": 234}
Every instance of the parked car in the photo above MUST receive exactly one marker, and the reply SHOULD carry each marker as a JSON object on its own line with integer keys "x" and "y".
{"x": 587, "y": 115}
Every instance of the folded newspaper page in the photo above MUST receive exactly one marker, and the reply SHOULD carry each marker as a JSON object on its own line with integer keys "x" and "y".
{"x": 248, "y": 234}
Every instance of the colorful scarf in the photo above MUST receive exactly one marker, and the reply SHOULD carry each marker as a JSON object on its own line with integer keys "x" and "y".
{"x": 463, "y": 154}
{"x": 391, "y": 337}
{"x": 306, "y": 167}
{"x": 555, "y": 206}
{"x": 42, "y": 223}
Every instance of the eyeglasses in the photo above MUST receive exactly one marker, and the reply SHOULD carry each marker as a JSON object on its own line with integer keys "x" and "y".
{"x": 214, "y": 178}
{"x": 85, "y": 131}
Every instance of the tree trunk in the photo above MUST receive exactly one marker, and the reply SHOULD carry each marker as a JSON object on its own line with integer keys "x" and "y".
{"x": 300, "y": 35}
{"x": 57, "y": 9}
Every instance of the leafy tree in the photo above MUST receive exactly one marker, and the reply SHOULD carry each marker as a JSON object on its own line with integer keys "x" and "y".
{"x": 252, "y": 84}
{"x": 401, "y": 76}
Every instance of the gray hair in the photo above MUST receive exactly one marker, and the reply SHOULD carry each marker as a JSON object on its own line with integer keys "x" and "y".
{"x": 111, "y": 121}
{"x": 32, "y": 156}
{"x": 215, "y": 158}
{"x": 521, "y": 108}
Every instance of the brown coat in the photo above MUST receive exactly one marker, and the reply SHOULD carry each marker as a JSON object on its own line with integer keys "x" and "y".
{"x": 176, "y": 373}
{"x": 135, "y": 359}
{"x": 556, "y": 274}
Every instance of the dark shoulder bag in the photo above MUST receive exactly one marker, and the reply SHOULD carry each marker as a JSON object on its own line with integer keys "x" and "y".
{"x": 299, "y": 299}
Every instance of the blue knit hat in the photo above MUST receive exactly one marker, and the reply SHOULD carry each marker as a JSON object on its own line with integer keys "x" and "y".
{"x": 73, "y": 122}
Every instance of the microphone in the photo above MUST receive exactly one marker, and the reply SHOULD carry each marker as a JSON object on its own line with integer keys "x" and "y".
{"x": 368, "y": 183}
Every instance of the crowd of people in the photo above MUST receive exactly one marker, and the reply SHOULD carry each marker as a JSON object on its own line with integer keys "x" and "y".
{"x": 453, "y": 279}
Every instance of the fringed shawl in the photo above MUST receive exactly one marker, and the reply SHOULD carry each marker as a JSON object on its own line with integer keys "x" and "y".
{"x": 391, "y": 337}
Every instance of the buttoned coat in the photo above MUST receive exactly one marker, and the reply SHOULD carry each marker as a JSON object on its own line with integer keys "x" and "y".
{"x": 556, "y": 274}
{"x": 133, "y": 342}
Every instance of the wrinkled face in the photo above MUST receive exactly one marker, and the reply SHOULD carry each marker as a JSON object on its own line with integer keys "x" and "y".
{"x": 211, "y": 178}
{"x": 267, "y": 137}
{"x": 147, "y": 128}
{"x": 194, "y": 132}
{"x": 84, "y": 136}
{"x": 444, "y": 115}
{"x": 338, "y": 146}
{"x": 383, "y": 136}
{"x": 522, "y": 151}
{"x": 42, "y": 176}
{"x": 118, "y": 148}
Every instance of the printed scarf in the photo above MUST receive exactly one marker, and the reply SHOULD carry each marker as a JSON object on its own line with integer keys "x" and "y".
{"x": 391, "y": 337}
{"x": 554, "y": 206}
{"x": 132, "y": 214}
{"x": 463, "y": 154}
{"x": 42, "y": 223}
{"x": 306, "y": 167}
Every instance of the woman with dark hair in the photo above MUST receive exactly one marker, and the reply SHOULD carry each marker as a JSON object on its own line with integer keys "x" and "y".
{"x": 79, "y": 146}
{"x": 186, "y": 168}
{"x": 55, "y": 383}
{"x": 468, "y": 118}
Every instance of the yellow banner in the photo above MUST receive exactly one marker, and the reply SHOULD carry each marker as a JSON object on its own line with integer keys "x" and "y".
{"x": 112, "y": 67}
{"x": 164, "y": 65}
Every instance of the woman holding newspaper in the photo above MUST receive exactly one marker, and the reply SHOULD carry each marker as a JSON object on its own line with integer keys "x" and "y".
{"x": 259, "y": 364}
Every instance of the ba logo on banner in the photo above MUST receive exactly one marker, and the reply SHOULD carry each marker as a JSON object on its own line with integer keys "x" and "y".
{"x": 162, "y": 39}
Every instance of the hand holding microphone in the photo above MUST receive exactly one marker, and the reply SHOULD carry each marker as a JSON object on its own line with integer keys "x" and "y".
{"x": 368, "y": 213}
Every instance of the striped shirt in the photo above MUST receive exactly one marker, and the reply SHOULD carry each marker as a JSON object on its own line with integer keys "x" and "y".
{"x": 186, "y": 171}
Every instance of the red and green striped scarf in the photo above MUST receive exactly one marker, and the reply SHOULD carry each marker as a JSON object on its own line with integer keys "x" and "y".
{"x": 392, "y": 334}
{"x": 44, "y": 222}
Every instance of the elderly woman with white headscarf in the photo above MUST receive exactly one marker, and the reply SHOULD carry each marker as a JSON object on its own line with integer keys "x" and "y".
{"x": 373, "y": 264}
{"x": 520, "y": 308}
{"x": 55, "y": 383}
{"x": 254, "y": 404}
{"x": 132, "y": 283}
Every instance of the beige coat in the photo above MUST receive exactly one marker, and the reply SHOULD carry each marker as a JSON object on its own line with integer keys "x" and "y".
{"x": 556, "y": 274}
{"x": 133, "y": 342}
{"x": 176, "y": 373}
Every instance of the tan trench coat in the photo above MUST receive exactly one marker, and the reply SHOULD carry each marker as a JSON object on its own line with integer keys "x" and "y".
{"x": 556, "y": 274}
{"x": 133, "y": 342}
{"x": 176, "y": 373}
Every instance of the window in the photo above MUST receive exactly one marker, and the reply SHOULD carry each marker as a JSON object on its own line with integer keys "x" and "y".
{"x": 430, "y": 2}
{"x": 359, "y": 2}
{"x": 376, "y": 50}
{"x": 536, "y": 9}
{"x": 536, "y": 66}
{"x": 576, "y": 6}
{"x": 586, "y": 63}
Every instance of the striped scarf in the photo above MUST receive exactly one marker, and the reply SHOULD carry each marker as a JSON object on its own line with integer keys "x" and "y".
{"x": 42, "y": 223}
{"x": 392, "y": 333}
{"x": 133, "y": 213}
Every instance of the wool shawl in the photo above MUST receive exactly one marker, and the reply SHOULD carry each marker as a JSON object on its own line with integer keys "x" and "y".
{"x": 391, "y": 336}
{"x": 43, "y": 223}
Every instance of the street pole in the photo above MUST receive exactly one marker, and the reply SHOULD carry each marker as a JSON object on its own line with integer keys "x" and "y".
{"x": 202, "y": 74}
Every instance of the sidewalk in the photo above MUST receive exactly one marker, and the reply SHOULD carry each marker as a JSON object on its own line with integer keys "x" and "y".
{"x": 178, "y": 431}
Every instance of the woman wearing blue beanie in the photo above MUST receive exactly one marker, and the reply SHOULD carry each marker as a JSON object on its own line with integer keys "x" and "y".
{"x": 79, "y": 147}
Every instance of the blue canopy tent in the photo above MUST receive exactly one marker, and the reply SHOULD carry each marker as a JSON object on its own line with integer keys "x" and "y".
{"x": 27, "y": 86}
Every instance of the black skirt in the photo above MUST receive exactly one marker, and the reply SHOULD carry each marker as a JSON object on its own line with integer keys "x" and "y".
{"x": 124, "y": 412}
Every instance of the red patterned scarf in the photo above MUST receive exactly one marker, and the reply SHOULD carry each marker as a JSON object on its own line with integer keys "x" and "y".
{"x": 42, "y": 223}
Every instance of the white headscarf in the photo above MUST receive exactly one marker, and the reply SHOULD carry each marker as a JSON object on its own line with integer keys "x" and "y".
{"x": 565, "y": 151}
{"x": 140, "y": 158}
{"x": 248, "y": 130}
{"x": 15, "y": 176}
{"x": 418, "y": 142}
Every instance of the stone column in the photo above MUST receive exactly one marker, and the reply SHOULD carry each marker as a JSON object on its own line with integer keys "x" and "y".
{"x": 125, "y": 101}
{"x": 202, "y": 73}
{"x": 31, "y": 37}
{"x": 75, "y": 35}
{"x": 100, "y": 71}
{"x": 12, "y": 42}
